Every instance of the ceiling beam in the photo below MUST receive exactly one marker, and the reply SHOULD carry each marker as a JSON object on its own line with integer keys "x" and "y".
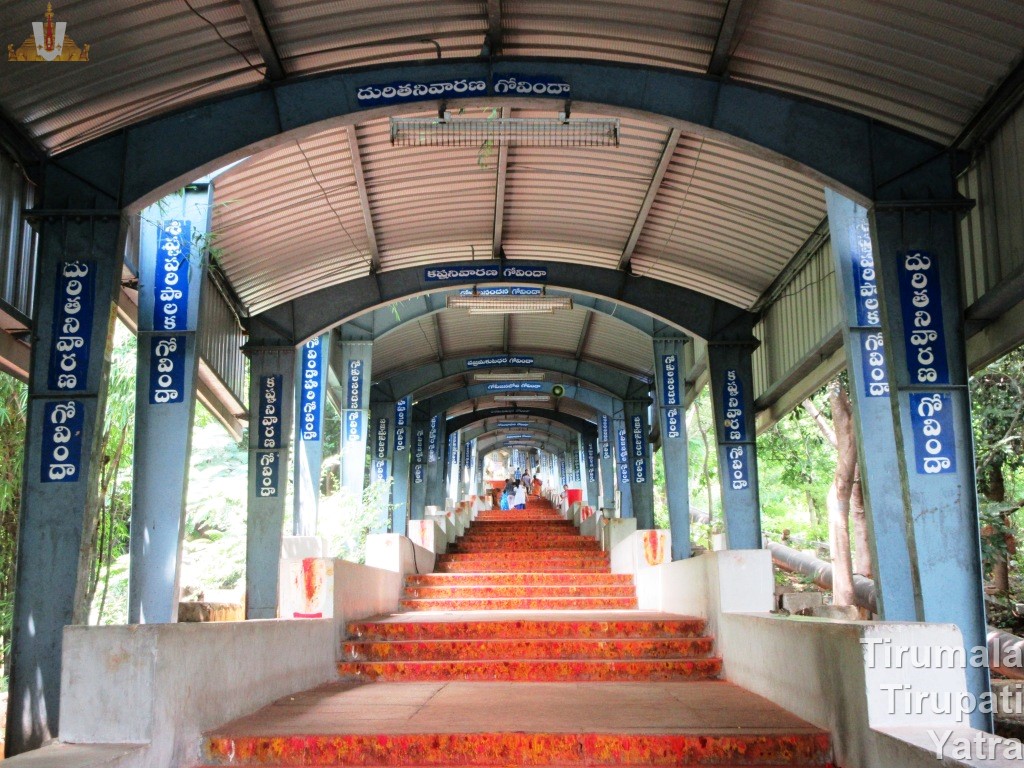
{"x": 440, "y": 337}
{"x": 264, "y": 42}
{"x": 495, "y": 29}
{"x": 994, "y": 112}
{"x": 720, "y": 55}
{"x": 584, "y": 335}
{"x": 364, "y": 200}
{"x": 499, "y": 194}
{"x": 652, "y": 192}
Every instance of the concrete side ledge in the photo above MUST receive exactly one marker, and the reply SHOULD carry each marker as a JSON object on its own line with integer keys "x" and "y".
{"x": 60, "y": 755}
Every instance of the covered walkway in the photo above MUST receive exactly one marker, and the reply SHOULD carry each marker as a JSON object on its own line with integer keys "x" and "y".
{"x": 489, "y": 236}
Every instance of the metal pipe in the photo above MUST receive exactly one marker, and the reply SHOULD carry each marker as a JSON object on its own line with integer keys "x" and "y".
{"x": 1002, "y": 646}
{"x": 790, "y": 559}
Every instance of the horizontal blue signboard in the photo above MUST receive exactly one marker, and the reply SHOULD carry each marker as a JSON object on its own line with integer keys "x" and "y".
{"x": 484, "y": 271}
{"x": 495, "y": 361}
{"x": 523, "y": 290}
{"x": 406, "y": 91}
{"x": 505, "y": 386}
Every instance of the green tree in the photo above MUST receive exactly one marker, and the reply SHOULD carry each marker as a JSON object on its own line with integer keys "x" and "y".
{"x": 13, "y": 403}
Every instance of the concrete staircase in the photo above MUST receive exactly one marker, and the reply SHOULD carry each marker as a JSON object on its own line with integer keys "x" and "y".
{"x": 523, "y": 650}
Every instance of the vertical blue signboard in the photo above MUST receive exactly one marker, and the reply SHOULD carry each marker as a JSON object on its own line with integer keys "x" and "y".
{"x": 591, "y": 463}
{"x": 924, "y": 335}
{"x": 865, "y": 290}
{"x": 312, "y": 367}
{"x": 270, "y": 412}
{"x": 354, "y": 402}
{"x": 402, "y": 424}
{"x": 167, "y": 369}
{"x": 380, "y": 455}
{"x": 671, "y": 394}
{"x": 72, "y": 325}
{"x": 63, "y": 423}
{"x": 170, "y": 283}
{"x": 639, "y": 443}
{"x": 269, "y": 437}
{"x": 418, "y": 455}
{"x": 623, "y": 458}
{"x": 605, "y": 437}
{"x": 735, "y": 430}
{"x": 432, "y": 439}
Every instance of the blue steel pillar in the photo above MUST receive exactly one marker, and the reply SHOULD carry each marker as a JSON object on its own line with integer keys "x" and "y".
{"x": 606, "y": 446}
{"x": 271, "y": 388}
{"x": 402, "y": 452}
{"x": 873, "y": 417}
{"x": 641, "y": 484}
{"x": 381, "y": 454}
{"x": 356, "y": 361}
{"x": 418, "y": 492}
{"x": 670, "y": 386}
{"x": 437, "y": 467}
{"x": 922, "y": 315}
{"x": 590, "y": 454}
{"x": 732, "y": 400}
{"x": 171, "y": 277}
{"x": 310, "y": 389}
{"x": 80, "y": 259}
{"x": 623, "y": 467}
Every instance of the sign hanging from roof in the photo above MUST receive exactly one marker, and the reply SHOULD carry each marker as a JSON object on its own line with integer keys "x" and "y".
{"x": 484, "y": 270}
{"x": 494, "y": 361}
{"x": 404, "y": 91}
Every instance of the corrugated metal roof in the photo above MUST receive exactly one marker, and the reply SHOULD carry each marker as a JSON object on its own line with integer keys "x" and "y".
{"x": 725, "y": 223}
{"x": 619, "y": 345}
{"x": 926, "y": 65}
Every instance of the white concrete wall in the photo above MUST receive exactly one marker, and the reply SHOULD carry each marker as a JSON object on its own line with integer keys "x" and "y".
{"x": 821, "y": 670}
{"x": 165, "y": 684}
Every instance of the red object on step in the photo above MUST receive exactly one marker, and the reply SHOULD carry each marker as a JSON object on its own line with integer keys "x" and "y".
{"x": 573, "y": 495}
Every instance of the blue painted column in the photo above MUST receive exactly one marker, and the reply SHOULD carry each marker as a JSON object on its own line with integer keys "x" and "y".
{"x": 79, "y": 272}
{"x": 382, "y": 416}
{"x": 853, "y": 256}
{"x": 171, "y": 276}
{"x": 436, "y": 465}
{"x": 590, "y": 459}
{"x": 356, "y": 361}
{"x": 606, "y": 446}
{"x": 271, "y": 390}
{"x": 418, "y": 492}
{"x": 641, "y": 480}
{"x": 623, "y": 467}
{"x": 310, "y": 390}
{"x": 732, "y": 400}
{"x": 670, "y": 386}
{"x": 922, "y": 315}
{"x": 402, "y": 454}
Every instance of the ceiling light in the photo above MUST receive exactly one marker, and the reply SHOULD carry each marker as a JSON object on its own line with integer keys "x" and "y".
{"x": 509, "y": 398}
{"x": 561, "y": 131}
{"x": 521, "y": 376}
{"x": 508, "y": 305}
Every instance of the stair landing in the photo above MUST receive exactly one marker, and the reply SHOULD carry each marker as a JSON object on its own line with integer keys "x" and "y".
{"x": 497, "y": 724}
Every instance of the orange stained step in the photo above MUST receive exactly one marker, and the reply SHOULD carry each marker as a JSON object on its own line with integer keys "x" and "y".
{"x": 708, "y": 723}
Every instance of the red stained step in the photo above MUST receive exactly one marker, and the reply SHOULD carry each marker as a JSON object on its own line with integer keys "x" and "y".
{"x": 463, "y": 591}
{"x": 554, "y": 648}
{"x": 534, "y": 671}
{"x": 570, "y": 545}
{"x": 519, "y": 604}
{"x": 522, "y": 559}
{"x": 511, "y": 566}
{"x": 525, "y": 628}
{"x": 750, "y": 750}
{"x": 484, "y": 579}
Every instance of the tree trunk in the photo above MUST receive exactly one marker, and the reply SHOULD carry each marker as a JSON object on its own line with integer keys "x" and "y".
{"x": 839, "y": 496}
{"x": 993, "y": 488}
{"x": 861, "y": 535}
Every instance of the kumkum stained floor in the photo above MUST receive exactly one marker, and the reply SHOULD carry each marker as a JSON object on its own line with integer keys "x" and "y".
{"x": 523, "y": 649}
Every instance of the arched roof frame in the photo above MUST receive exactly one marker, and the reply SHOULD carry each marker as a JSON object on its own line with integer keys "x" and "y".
{"x": 608, "y": 381}
{"x": 132, "y": 167}
{"x": 552, "y": 429}
{"x": 491, "y": 444}
{"x": 600, "y": 402}
{"x": 575, "y": 423}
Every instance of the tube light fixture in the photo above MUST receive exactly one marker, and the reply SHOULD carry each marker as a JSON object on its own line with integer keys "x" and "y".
{"x": 508, "y": 398}
{"x": 449, "y": 131}
{"x": 518, "y": 376}
{"x": 508, "y": 305}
